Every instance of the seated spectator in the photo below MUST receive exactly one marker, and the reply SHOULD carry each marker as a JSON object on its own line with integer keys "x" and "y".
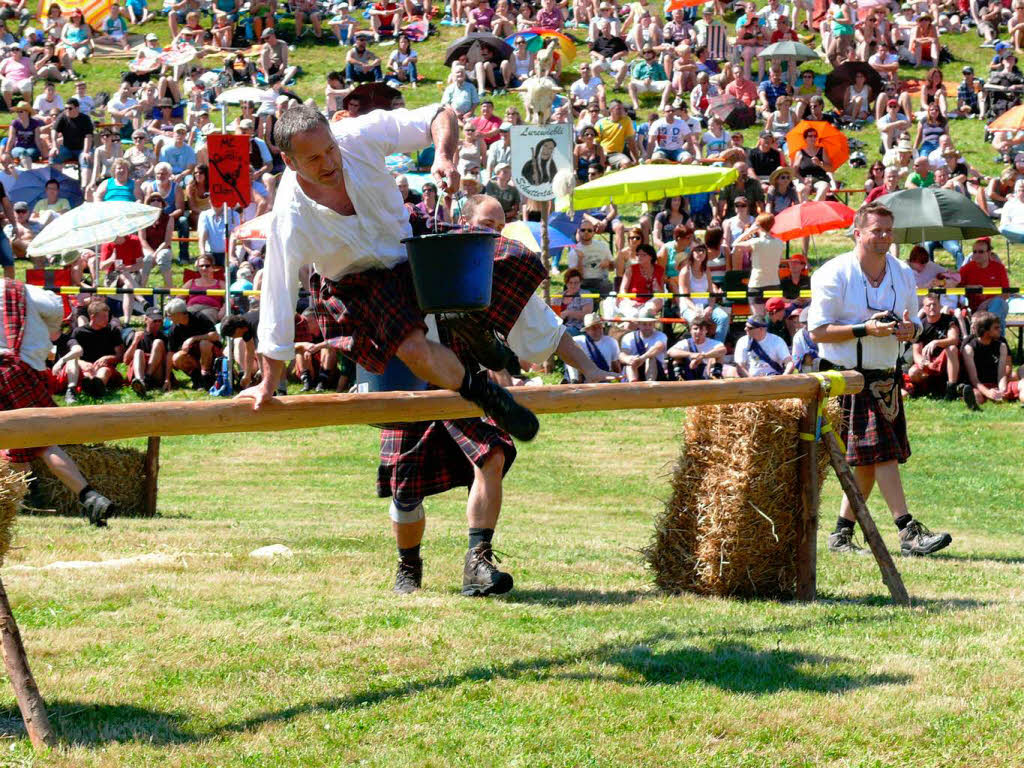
{"x": 814, "y": 166}
{"x": 308, "y": 9}
{"x": 51, "y": 66}
{"x": 857, "y": 104}
{"x": 24, "y": 141}
{"x": 970, "y": 94}
{"x": 140, "y": 158}
{"x": 17, "y": 73}
{"x": 694, "y": 277}
{"x": 193, "y": 342}
{"x": 49, "y": 100}
{"x": 120, "y": 186}
{"x": 750, "y": 39}
{"x": 504, "y": 22}
{"x": 319, "y": 366}
{"x": 76, "y": 36}
{"x": 985, "y": 270}
{"x": 501, "y": 189}
{"x": 671, "y": 138}
{"x": 212, "y": 308}
{"x": 342, "y": 24}
{"x": 699, "y": 356}
{"x": 603, "y": 350}
{"x": 138, "y": 12}
{"x": 770, "y": 90}
{"x": 550, "y": 16}
{"x": 765, "y": 158}
{"x": 608, "y": 54}
{"x": 461, "y": 95}
{"x": 617, "y": 136}
{"x": 759, "y": 353}
{"x": 641, "y": 29}
{"x": 923, "y": 176}
{"x": 21, "y": 231}
{"x": 385, "y": 19}
{"x": 592, "y": 259}
{"x": 213, "y": 226}
{"x": 806, "y": 358}
{"x": 588, "y": 88}
{"x": 102, "y": 348}
{"x": 50, "y": 205}
{"x": 924, "y": 42}
{"x": 428, "y": 211}
{"x": 930, "y": 130}
{"x": 115, "y": 29}
{"x": 146, "y": 356}
{"x": 987, "y": 364}
{"x": 156, "y": 243}
{"x": 642, "y": 352}
{"x": 273, "y": 64}
{"x": 643, "y": 278}
{"x": 478, "y": 17}
{"x": 71, "y": 137}
{"x": 402, "y": 62}
{"x": 741, "y": 87}
{"x": 178, "y": 154}
{"x": 782, "y": 193}
{"x": 103, "y": 158}
{"x": 936, "y": 350}
{"x": 573, "y": 308}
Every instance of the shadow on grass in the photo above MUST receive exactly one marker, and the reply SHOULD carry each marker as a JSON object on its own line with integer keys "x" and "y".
{"x": 929, "y": 604}
{"x": 81, "y": 724}
{"x": 976, "y": 558}
{"x": 564, "y": 598}
{"x": 734, "y": 667}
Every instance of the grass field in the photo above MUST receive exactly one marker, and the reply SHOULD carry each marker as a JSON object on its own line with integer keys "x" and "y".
{"x": 200, "y": 655}
{"x": 208, "y": 657}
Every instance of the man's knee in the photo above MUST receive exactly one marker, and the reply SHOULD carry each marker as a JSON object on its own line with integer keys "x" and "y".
{"x": 494, "y": 464}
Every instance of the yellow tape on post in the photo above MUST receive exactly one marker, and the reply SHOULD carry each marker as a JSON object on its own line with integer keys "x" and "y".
{"x": 832, "y": 384}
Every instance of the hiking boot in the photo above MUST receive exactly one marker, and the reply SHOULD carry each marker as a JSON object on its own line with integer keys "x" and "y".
{"x": 320, "y": 387}
{"x": 915, "y": 539}
{"x": 480, "y": 575}
{"x": 483, "y": 344}
{"x": 98, "y": 508}
{"x": 69, "y": 397}
{"x": 496, "y": 402}
{"x": 409, "y": 577}
{"x": 139, "y": 387}
{"x": 842, "y": 542}
{"x": 969, "y": 398}
{"x": 307, "y": 385}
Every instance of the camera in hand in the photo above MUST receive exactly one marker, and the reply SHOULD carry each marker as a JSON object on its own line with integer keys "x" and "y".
{"x": 888, "y": 317}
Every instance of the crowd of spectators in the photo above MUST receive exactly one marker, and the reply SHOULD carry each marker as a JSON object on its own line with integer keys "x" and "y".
{"x": 146, "y": 142}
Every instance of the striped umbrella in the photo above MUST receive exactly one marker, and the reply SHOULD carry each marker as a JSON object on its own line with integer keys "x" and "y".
{"x": 536, "y": 38}
{"x": 92, "y": 224}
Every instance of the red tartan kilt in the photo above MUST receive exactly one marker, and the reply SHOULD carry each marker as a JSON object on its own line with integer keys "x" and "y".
{"x": 427, "y": 458}
{"x": 369, "y": 314}
{"x": 22, "y": 386}
{"x": 871, "y": 438}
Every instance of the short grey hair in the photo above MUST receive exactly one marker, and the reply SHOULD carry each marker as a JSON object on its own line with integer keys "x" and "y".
{"x": 295, "y": 121}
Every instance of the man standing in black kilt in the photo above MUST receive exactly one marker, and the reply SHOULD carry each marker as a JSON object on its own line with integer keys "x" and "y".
{"x": 338, "y": 210}
{"x": 863, "y": 308}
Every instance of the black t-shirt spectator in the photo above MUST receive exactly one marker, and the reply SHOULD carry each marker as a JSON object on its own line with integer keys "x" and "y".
{"x": 986, "y": 359}
{"x": 935, "y": 331}
{"x": 608, "y": 46}
{"x": 97, "y": 343}
{"x": 74, "y": 130}
{"x": 148, "y": 339}
{"x": 508, "y": 197}
{"x": 197, "y": 325}
{"x": 765, "y": 162}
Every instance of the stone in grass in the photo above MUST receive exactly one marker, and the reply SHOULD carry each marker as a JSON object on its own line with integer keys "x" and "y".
{"x": 272, "y": 551}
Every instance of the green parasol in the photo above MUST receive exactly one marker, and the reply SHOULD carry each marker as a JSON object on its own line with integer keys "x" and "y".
{"x": 935, "y": 214}
{"x": 647, "y": 183}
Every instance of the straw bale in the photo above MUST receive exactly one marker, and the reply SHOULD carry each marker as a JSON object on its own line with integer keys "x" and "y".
{"x": 13, "y": 486}
{"x": 730, "y": 527}
{"x": 116, "y": 472}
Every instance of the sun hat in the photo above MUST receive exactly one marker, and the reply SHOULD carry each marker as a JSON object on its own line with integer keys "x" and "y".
{"x": 591, "y": 319}
{"x": 782, "y": 169}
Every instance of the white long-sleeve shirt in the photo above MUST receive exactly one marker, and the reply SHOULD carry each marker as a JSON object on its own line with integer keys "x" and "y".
{"x": 841, "y": 294}
{"x": 43, "y": 313}
{"x": 302, "y": 231}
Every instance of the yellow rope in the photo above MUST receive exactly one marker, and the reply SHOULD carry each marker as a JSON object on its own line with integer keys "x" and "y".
{"x": 832, "y": 384}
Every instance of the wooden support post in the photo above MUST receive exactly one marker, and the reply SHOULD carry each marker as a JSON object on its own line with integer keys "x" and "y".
{"x": 151, "y": 470}
{"x": 807, "y": 545}
{"x": 890, "y": 575}
{"x": 33, "y": 709}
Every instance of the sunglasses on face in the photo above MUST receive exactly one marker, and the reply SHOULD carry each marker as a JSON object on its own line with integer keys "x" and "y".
{"x": 585, "y": 230}
{"x": 741, "y": 205}
{"x": 635, "y": 237}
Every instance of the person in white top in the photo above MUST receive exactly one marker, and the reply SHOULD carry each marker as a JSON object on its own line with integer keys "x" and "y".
{"x": 759, "y": 353}
{"x": 863, "y": 309}
{"x": 766, "y": 252}
{"x": 643, "y": 350}
{"x": 601, "y": 349}
{"x": 338, "y": 210}
{"x": 588, "y": 88}
{"x": 29, "y": 318}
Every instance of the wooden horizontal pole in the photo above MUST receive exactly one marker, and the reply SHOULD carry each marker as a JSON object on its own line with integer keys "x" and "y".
{"x": 31, "y": 427}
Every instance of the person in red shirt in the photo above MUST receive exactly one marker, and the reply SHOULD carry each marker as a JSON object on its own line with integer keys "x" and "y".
{"x": 487, "y": 125}
{"x": 890, "y": 183}
{"x": 122, "y": 261}
{"x": 983, "y": 269}
{"x": 741, "y": 87}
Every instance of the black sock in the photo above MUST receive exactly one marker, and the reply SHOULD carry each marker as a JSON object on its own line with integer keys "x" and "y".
{"x": 473, "y": 384}
{"x": 305, "y": 377}
{"x": 83, "y": 492}
{"x": 480, "y": 535}
{"x": 903, "y": 521}
{"x": 409, "y": 554}
{"x": 842, "y": 524}
{"x": 323, "y": 377}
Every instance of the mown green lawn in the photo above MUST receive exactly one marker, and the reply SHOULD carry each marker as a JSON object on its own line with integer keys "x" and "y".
{"x": 210, "y": 657}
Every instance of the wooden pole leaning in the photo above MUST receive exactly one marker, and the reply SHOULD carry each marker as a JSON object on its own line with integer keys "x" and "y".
{"x": 30, "y": 702}
{"x": 31, "y": 427}
{"x": 807, "y": 469}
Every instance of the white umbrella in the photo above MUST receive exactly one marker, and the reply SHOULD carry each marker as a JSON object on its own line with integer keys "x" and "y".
{"x": 243, "y": 93}
{"x": 92, "y": 224}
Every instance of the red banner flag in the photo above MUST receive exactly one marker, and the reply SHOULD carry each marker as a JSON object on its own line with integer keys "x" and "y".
{"x": 229, "y": 170}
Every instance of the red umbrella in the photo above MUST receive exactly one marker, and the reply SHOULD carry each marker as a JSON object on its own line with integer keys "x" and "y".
{"x": 810, "y": 218}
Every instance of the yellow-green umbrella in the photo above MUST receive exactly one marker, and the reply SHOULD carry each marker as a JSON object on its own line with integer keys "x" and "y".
{"x": 647, "y": 183}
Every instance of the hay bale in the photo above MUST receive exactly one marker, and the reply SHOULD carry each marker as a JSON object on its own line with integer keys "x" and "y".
{"x": 13, "y": 486}
{"x": 731, "y": 526}
{"x": 116, "y": 472}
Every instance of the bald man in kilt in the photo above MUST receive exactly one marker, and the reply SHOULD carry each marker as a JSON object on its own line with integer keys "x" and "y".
{"x": 31, "y": 316}
{"x": 863, "y": 308}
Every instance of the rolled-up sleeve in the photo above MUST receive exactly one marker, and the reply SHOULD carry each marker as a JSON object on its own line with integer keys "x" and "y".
{"x": 536, "y": 332}
{"x": 280, "y": 290}
{"x": 398, "y": 130}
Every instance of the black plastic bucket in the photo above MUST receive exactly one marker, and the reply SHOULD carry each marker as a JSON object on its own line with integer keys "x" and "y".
{"x": 452, "y": 271}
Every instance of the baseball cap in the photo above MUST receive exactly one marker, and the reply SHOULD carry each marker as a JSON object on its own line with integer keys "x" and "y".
{"x": 154, "y": 313}
{"x": 21, "y": 206}
{"x": 267, "y": 33}
{"x": 499, "y": 166}
{"x": 892, "y": 103}
{"x": 766, "y": 134}
{"x": 756, "y": 322}
{"x": 180, "y": 127}
{"x": 175, "y": 307}
{"x": 1001, "y": 46}
{"x": 151, "y": 37}
{"x": 775, "y": 304}
{"x": 245, "y": 123}
{"x": 967, "y": 71}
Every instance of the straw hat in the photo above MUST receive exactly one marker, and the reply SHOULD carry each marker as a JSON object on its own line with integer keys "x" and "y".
{"x": 591, "y": 319}
{"x": 23, "y": 106}
{"x": 779, "y": 171}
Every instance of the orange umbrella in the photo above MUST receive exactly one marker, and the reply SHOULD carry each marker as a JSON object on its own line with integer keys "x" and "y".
{"x": 829, "y": 137}
{"x": 812, "y": 218}
{"x": 678, "y": 5}
{"x": 1010, "y": 120}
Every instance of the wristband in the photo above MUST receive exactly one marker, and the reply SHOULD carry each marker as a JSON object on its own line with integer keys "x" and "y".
{"x": 859, "y": 331}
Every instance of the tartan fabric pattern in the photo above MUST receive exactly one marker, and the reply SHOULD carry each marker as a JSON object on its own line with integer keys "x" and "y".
{"x": 426, "y": 458}
{"x": 22, "y": 386}
{"x": 15, "y": 304}
{"x": 368, "y": 314}
{"x": 871, "y": 438}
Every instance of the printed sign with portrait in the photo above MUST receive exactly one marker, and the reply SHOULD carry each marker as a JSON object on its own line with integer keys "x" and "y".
{"x": 538, "y": 152}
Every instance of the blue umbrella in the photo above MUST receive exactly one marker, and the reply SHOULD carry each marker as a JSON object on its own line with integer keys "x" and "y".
{"x": 529, "y": 234}
{"x": 30, "y": 187}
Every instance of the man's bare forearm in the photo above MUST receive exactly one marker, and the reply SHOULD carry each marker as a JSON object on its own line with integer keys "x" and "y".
{"x": 444, "y": 130}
